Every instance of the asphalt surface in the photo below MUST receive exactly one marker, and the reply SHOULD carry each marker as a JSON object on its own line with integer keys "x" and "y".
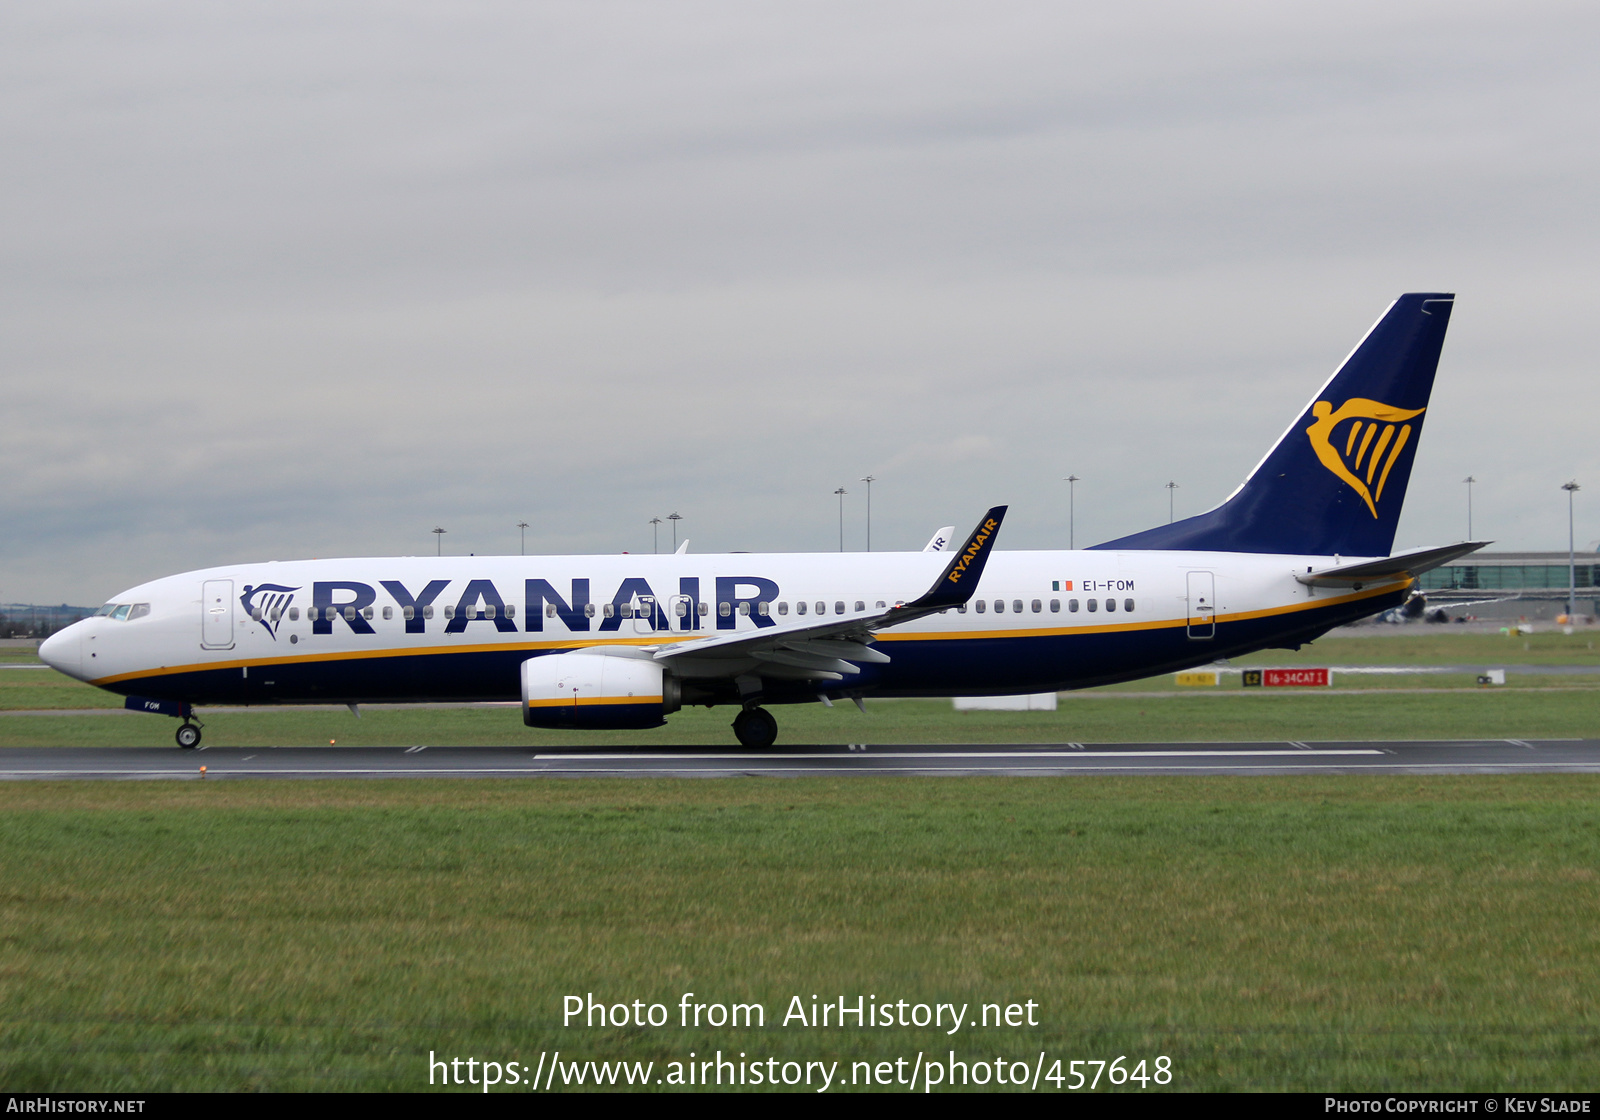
{"x": 1476, "y": 756}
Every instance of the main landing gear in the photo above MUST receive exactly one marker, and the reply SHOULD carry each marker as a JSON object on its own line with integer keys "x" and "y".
{"x": 755, "y": 728}
{"x": 188, "y": 736}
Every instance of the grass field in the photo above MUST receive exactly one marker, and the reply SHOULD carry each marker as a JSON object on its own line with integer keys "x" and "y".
{"x": 1266, "y": 933}
{"x": 1316, "y": 933}
{"x": 1421, "y": 706}
{"x": 1193, "y": 716}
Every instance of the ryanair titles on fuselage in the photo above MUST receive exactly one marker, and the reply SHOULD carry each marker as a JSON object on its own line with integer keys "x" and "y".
{"x": 482, "y": 601}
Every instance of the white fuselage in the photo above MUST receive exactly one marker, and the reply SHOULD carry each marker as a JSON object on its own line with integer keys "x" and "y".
{"x": 242, "y": 633}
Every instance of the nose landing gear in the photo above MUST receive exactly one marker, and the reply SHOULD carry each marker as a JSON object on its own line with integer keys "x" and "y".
{"x": 188, "y": 736}
{"x": 755, "y": 728}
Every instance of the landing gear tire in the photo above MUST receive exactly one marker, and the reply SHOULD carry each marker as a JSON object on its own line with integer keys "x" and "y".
{"x": 188, "y": 736}
{"x": 755, "y": 728}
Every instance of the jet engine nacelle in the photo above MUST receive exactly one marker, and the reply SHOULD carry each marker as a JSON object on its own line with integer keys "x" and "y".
{"x": 596, "y": 691}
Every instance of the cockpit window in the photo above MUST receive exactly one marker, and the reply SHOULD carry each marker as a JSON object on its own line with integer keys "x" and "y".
{"x": 121, "y": 613}
{"x": 139, "y": 611}
{"x": 105, "y": 610}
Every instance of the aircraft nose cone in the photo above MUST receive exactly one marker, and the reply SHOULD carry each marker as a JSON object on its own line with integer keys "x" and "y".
{"x": 63, "y": 651}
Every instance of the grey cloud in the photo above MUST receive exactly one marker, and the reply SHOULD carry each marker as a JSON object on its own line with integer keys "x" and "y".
{"x": 298, "y": 280}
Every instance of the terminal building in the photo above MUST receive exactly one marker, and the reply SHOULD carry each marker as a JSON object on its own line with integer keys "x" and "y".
{"x": 1531, "y": 585}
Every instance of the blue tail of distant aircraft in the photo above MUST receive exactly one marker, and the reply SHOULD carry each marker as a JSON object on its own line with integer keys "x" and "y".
{"x": 1336, "y": 480}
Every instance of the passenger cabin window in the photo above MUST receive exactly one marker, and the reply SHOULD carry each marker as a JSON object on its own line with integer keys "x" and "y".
{"x": 680, "y": 608}
{"x": 822, "y": 608}
{"x": 1016, "y": 606}
{"x": 588, "y": 611}
{"x": 427, "y": 611}
{"x": 294, "y": 614}
{"x": 705, "y": 609}
{"x": 783, "y": 607}
{"x": 977, "y": 605}
{"x": 962, "y": 609}
{"x": 744, "y": 609}
{"x": 488, "y": 611}
{"x": 999, "y": 606}
{"x": 882, "y": 604}
{"x": 1037, "y": 606}
{"x": 610, "y": 610}
{"x": 724, "y": 609}
{"x": 1094, "y": 605}
{"x": 764, "y": 609}
{"x": 511, "y": 610}
{"x": 1111, "y": 604}
{"x": 350, "y": 614}
{"x": 388, "y": 613}
{"x": 366, "y": 613}
{"x": 1072, "y": 606}
{"x": 407, "y": 613}
{"x": 549, "y": 611}
{"x": 799, "y": 608}
{"x": 1127, "y": 604}
{"x": 838, "y": 607}
{"x": 860, "y": 606}
{"x": 255, "y": 613}
{"x": 1055, "y": 606}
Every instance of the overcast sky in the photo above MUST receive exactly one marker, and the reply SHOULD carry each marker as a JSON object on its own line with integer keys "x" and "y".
{"x": 285, "y": 280}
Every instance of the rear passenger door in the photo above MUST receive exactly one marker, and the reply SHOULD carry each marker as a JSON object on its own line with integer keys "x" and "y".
{"x": 1202, "y": 605}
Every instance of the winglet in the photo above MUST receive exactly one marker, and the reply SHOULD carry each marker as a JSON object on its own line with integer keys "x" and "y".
{"x": 957, "y": 583}
{"x": 960, "y": 579}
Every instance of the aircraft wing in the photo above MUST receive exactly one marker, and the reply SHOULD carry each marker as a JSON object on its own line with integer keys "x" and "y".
{"x": 825, "y": 650}
{"x": 1402, "y": 564}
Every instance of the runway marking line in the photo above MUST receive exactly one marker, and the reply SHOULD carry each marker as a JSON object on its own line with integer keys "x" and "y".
{"x": 757, "y": 758}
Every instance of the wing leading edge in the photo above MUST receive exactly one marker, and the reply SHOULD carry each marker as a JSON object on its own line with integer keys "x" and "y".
{"x": 827, "y": 651}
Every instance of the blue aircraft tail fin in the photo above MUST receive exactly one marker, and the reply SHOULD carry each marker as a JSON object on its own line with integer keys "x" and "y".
{"x": 1335, "y": 481}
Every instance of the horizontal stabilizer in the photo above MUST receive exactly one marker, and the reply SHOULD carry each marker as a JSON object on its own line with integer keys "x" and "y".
{"x": 1403, "y": 564}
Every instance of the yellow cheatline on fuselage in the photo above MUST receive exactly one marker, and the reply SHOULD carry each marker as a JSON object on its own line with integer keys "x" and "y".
{"x": 669, "y": 639}
{"x": 584, "y": 701}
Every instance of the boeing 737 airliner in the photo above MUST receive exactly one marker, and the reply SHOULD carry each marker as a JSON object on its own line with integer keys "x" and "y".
{"x": 1303, "y": 545}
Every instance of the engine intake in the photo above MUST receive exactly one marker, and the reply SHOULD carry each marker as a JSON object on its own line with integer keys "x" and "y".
{"x": 596, "y": 691}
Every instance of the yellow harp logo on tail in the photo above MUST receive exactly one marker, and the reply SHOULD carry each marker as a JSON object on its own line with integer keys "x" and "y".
{"x": 1376, "y": 428}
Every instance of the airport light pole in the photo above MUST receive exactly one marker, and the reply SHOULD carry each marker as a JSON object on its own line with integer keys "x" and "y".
{"x": 1072, "y": 481}
{"x": 841, "y": 492}
{"x": 438, "y": 541}
{"x": 523, "y": 525}
{"x": 1171, "y": 486}
{"x": 655, "y": 535}
{"x": 869, "y": 480}
{"x": 1469, "y": 480}
{"x": 1572, "y": 569}
{"x": 674, "y": 517}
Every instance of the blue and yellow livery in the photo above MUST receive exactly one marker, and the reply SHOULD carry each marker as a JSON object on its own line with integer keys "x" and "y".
{"x": 624, "y": 641}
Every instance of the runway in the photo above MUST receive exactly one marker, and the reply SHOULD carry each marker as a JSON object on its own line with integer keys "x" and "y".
{"x": 1473, "y": 756}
